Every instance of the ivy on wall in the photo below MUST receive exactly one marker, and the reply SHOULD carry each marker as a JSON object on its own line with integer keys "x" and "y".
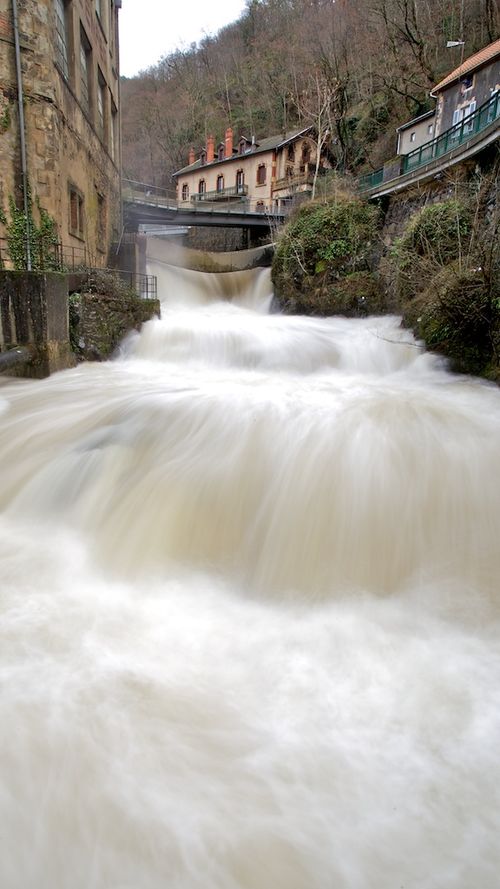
{"x": 43, "y": 237}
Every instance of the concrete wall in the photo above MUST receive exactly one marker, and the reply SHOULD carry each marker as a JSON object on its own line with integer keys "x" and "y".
{"x": 68, "y": 149}
{"x": 34, "y": 314}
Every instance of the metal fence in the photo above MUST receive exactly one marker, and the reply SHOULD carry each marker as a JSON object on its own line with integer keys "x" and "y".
{"x": 454, "y": 137}
{"x": 75, "y": 260}
{"x": 451, "y": 139}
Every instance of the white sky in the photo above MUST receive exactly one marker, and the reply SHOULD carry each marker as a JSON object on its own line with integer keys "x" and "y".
{"x": 150, "y": 29}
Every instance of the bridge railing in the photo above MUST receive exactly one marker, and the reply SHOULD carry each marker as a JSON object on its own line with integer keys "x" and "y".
{"x": 150, "y": 194}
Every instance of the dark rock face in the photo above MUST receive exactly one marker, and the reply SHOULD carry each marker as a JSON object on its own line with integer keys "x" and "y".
{"x": 99, "y": 321}
{"x": 34, "y": 314}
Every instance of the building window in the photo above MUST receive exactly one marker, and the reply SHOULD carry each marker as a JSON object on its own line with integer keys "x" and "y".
{"x": 220, "y": 152}
{"x": 101, "y": 104}
{"x": 261, "y": 174}
{"x": 220, "y": 183}
{"x": 240, "y": 182}
{"x": 467, "y": 82}
{"x": 203, "y": 157}
{"x": 62, "y": 37}
{"x": 202, "y": 186}
{"x": 185, "y": 192}
{"x": 413, "y": 136}
{"x": 76, "y": 212}
{"x": 291, "y": 153}
{"x": 242, "y": 146}
{"x": 85, "y": 71}
{"x": 113, "y": 132}
{"x": 102, "y": 223}
{"x": 260, "y": 207}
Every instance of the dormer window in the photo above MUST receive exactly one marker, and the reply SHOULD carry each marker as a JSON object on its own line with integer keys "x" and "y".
{"x": 203, "y": 157}
{"x": 467, "y": 82}
{"x": 220, "y": 152}
{"x": 242, "y": 146}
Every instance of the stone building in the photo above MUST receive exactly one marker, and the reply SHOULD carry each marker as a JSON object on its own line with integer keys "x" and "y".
{"x": 265, "y": 175}
{"x": 69, "y": 60}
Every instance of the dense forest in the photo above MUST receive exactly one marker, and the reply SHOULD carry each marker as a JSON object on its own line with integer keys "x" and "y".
{"x": 363, "y": 66}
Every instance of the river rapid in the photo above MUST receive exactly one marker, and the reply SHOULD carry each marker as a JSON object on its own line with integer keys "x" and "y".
{"x": 249, "y": 627}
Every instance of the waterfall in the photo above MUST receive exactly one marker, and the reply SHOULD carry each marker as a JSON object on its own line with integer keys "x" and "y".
{"x": 249, "y": 608}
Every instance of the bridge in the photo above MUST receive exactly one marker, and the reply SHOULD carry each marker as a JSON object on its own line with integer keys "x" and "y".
{"x": 150, "y": 205}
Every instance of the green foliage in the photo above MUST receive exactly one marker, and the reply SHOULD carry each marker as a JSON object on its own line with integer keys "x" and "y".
{"x": 5, "y": 119}
{"x": 435, "y": 236}
{"x": 447, "y": 273}
{"x": 322, "y": 259}
{"x": 42, "y": 236}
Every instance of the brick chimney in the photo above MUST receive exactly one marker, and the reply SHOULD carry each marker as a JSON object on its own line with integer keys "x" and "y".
{"x": 191, "y": 156}
{"x": 210, "y": 149}
{"x": 229, "y": 143}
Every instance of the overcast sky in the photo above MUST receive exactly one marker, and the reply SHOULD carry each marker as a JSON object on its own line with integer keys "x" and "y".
{"x": 150, "y": 29}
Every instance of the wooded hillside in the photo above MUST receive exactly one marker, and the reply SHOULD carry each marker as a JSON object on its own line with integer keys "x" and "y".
{"x": 364, "y": 65}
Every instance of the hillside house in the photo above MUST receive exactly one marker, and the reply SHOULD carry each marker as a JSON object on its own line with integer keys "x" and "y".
{"x": 265, "y": 175}
{"x": 416, "y": 132}
{"x": 467, "y": 87}
{"x": 70, "y": 84}
{"x": 458, "y": 95}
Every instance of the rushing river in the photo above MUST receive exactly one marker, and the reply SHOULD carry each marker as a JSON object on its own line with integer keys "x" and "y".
{"x": 249, "y": 629}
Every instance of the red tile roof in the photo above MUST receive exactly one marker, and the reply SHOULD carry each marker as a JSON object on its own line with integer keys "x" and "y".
{"x": 480, "y": 58}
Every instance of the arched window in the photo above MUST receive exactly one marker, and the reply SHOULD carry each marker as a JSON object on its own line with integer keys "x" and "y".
{"x": 291, "y": 153}
{"x": 261, "y": 174}
{"x": 220, "y": 151}
{"x": 185, "y": 192}
{"x": 202, "y": 187}
{"x": 220, "y": 183}
{"x": 240, "y": 182}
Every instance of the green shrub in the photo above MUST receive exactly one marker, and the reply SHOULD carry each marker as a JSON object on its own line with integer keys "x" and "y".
{"x": 323, "y": 244}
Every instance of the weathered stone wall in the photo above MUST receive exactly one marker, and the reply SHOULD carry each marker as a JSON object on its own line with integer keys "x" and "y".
{"x": 67, "y": 148}
{"x": 217, "y": 240}
{"x": 99, "y": 322}
{"x": 34, "y": 314}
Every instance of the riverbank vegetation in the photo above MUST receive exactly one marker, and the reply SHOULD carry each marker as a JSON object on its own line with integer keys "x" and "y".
{"x": 442, "y": 274}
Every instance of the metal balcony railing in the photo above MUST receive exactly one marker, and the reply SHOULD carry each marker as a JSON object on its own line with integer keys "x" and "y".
{"x": 298, "y": 179}
{"x": 455, "y": 136}
{"x": 221, "y": 194}
{"x": 448, "y": 141}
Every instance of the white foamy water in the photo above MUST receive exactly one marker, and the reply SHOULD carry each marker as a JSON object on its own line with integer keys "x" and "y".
{"x": 249, "y": 609}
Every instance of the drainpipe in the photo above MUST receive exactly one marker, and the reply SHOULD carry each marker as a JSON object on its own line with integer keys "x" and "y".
{"x": 20, "y": 100}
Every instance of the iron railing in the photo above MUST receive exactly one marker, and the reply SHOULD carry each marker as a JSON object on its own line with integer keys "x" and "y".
{"x": 454, "y": 137}
{"x": 448, "y": 141}
{"x": 75, "y": 260}
{"x": 44, "y": 257}
{"x": 221, "y": 194}
{"x": 371, "y": 180}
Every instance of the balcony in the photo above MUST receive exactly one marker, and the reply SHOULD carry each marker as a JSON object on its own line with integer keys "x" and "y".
{"x": 304, "y": 177}
{"x": 232, "y": 193}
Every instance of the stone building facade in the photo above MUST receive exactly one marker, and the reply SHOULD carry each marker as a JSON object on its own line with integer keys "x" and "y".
{"x": 70, "y": 80}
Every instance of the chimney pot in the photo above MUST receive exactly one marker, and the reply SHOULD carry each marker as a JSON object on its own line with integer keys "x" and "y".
{"x": 229, "y": 142}
{"x": 210, "y": 149}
